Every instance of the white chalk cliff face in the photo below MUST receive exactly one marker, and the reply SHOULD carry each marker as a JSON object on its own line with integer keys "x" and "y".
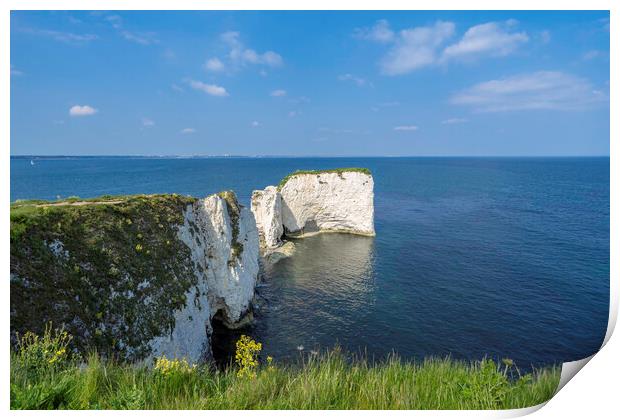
{"x": 328, "y": 201}
{"x": 214, "y": 232}
{"x": 309, "y": 203}
{"x": 267, "y": 209}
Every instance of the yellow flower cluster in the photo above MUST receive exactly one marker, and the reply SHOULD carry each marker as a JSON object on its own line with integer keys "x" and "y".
{"x": 169, "y": 367}
{"x": 58, "y": 356}
{"x": 49, "y": 351}
{"x": 246, "y": 356}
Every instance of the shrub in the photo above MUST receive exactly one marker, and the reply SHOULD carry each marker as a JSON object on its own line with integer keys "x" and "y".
{"x": 37, "y": 354}
{"x": 246, "y": 356}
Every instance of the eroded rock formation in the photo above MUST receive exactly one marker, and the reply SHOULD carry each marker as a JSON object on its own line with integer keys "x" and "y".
{"x": 309, "y": 202}
{"x": 134, "y": 277}
{"x": 267, "y": 209}
{"x": 224, "y": 245}
{"x": 328, "y": 202}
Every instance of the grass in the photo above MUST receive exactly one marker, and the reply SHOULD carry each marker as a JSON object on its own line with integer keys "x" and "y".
{"x": 324, "y": 381}
{"x": 74, "y": 198}
{"x": 338, "y": 171}
{"x": 234, "y": 211}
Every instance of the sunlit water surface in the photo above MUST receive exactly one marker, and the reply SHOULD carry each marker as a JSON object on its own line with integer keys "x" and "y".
{"x": 473, "y": 256}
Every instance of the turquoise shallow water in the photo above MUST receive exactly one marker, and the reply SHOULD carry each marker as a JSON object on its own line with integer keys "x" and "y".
{"x": 505, "y": 257}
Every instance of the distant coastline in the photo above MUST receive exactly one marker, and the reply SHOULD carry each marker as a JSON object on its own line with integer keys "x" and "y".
{"x": 307, "y": 157}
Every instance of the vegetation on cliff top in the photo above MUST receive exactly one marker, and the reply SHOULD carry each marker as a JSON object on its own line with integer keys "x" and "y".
{"x": 110, "y": 269}
{"x": 234, "y": 210}
{"x": 338, "y": 171}
{"x": 323, "y": 381}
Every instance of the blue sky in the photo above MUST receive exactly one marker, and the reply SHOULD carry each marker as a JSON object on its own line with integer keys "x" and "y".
{"x": 310, "y": 83}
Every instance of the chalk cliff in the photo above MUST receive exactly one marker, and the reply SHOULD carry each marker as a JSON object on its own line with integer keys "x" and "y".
{"x": 224, "y": 245}
{"x": 328, "y": 201}
{"x": 136, "y": 276}
{"x": 339, "y": 200}
{"x": 267, "y": 209}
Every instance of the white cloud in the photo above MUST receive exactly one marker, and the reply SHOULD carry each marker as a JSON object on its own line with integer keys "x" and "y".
{"x": 147, "y": 122}
{"x": 231, "y": 38}
{"x": 380, "y": 32}
{"x": 66, "y": 37}
{"x": 176, "y": 87}
{"x": 213, "y": 90}
{"x": 240, "y": 55}
{"x": 451, "y": 121}
{"x": 115, "y": 20}
{"x": 278, "y": 93}
{"x": 255, "y": 124}
{"x": 592, "y": 54}
{"x": 188, "y": 131}
{"x": 406, "y": 128}
{"x": 424, "y": 46}
{"x": 15, "y": 72}
{"x": 336, "y": 130}
{"x": 214, "y": 64}
{"x": 416, "y": 48}
{"x": 142, "y": 38}
{"x": 550, "y": 90}
{"x": 605, "y": 23}
{"x": 74, "y": 20}
{"x": 355, "y": 79}
{"x": 492, "y": 39}
{"x": 292, "y": 114}
{"x": 269, "y": 58}
{"x": 82, "y": 110}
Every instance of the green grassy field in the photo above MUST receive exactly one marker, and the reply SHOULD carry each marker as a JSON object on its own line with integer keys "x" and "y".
{"x": 45, "y": 375}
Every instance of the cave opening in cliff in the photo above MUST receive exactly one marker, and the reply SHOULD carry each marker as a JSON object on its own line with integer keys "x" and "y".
{"x": 223, "y": 340}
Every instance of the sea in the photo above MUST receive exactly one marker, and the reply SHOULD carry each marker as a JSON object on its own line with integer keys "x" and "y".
{"x": 473, "y": 257}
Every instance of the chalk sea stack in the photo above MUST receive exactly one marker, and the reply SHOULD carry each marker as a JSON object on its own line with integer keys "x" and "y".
{"x": 309, "y": 202}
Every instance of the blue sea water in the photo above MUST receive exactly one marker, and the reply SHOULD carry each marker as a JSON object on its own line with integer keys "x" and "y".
{"x": 503, "y": 257}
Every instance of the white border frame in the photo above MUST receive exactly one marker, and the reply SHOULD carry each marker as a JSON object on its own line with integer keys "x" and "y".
{"x": 593, "y": 394}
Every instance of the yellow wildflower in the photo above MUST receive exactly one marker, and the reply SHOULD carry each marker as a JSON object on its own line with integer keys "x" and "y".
{"x": 246, "y": 356}
{"x": 168, "y": 367}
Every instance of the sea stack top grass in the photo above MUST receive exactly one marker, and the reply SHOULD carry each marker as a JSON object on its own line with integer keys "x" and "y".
{"x": 338, "y": 171}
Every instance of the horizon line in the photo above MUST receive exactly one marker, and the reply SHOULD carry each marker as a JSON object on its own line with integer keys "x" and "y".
{"x": 232, "y": 156}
